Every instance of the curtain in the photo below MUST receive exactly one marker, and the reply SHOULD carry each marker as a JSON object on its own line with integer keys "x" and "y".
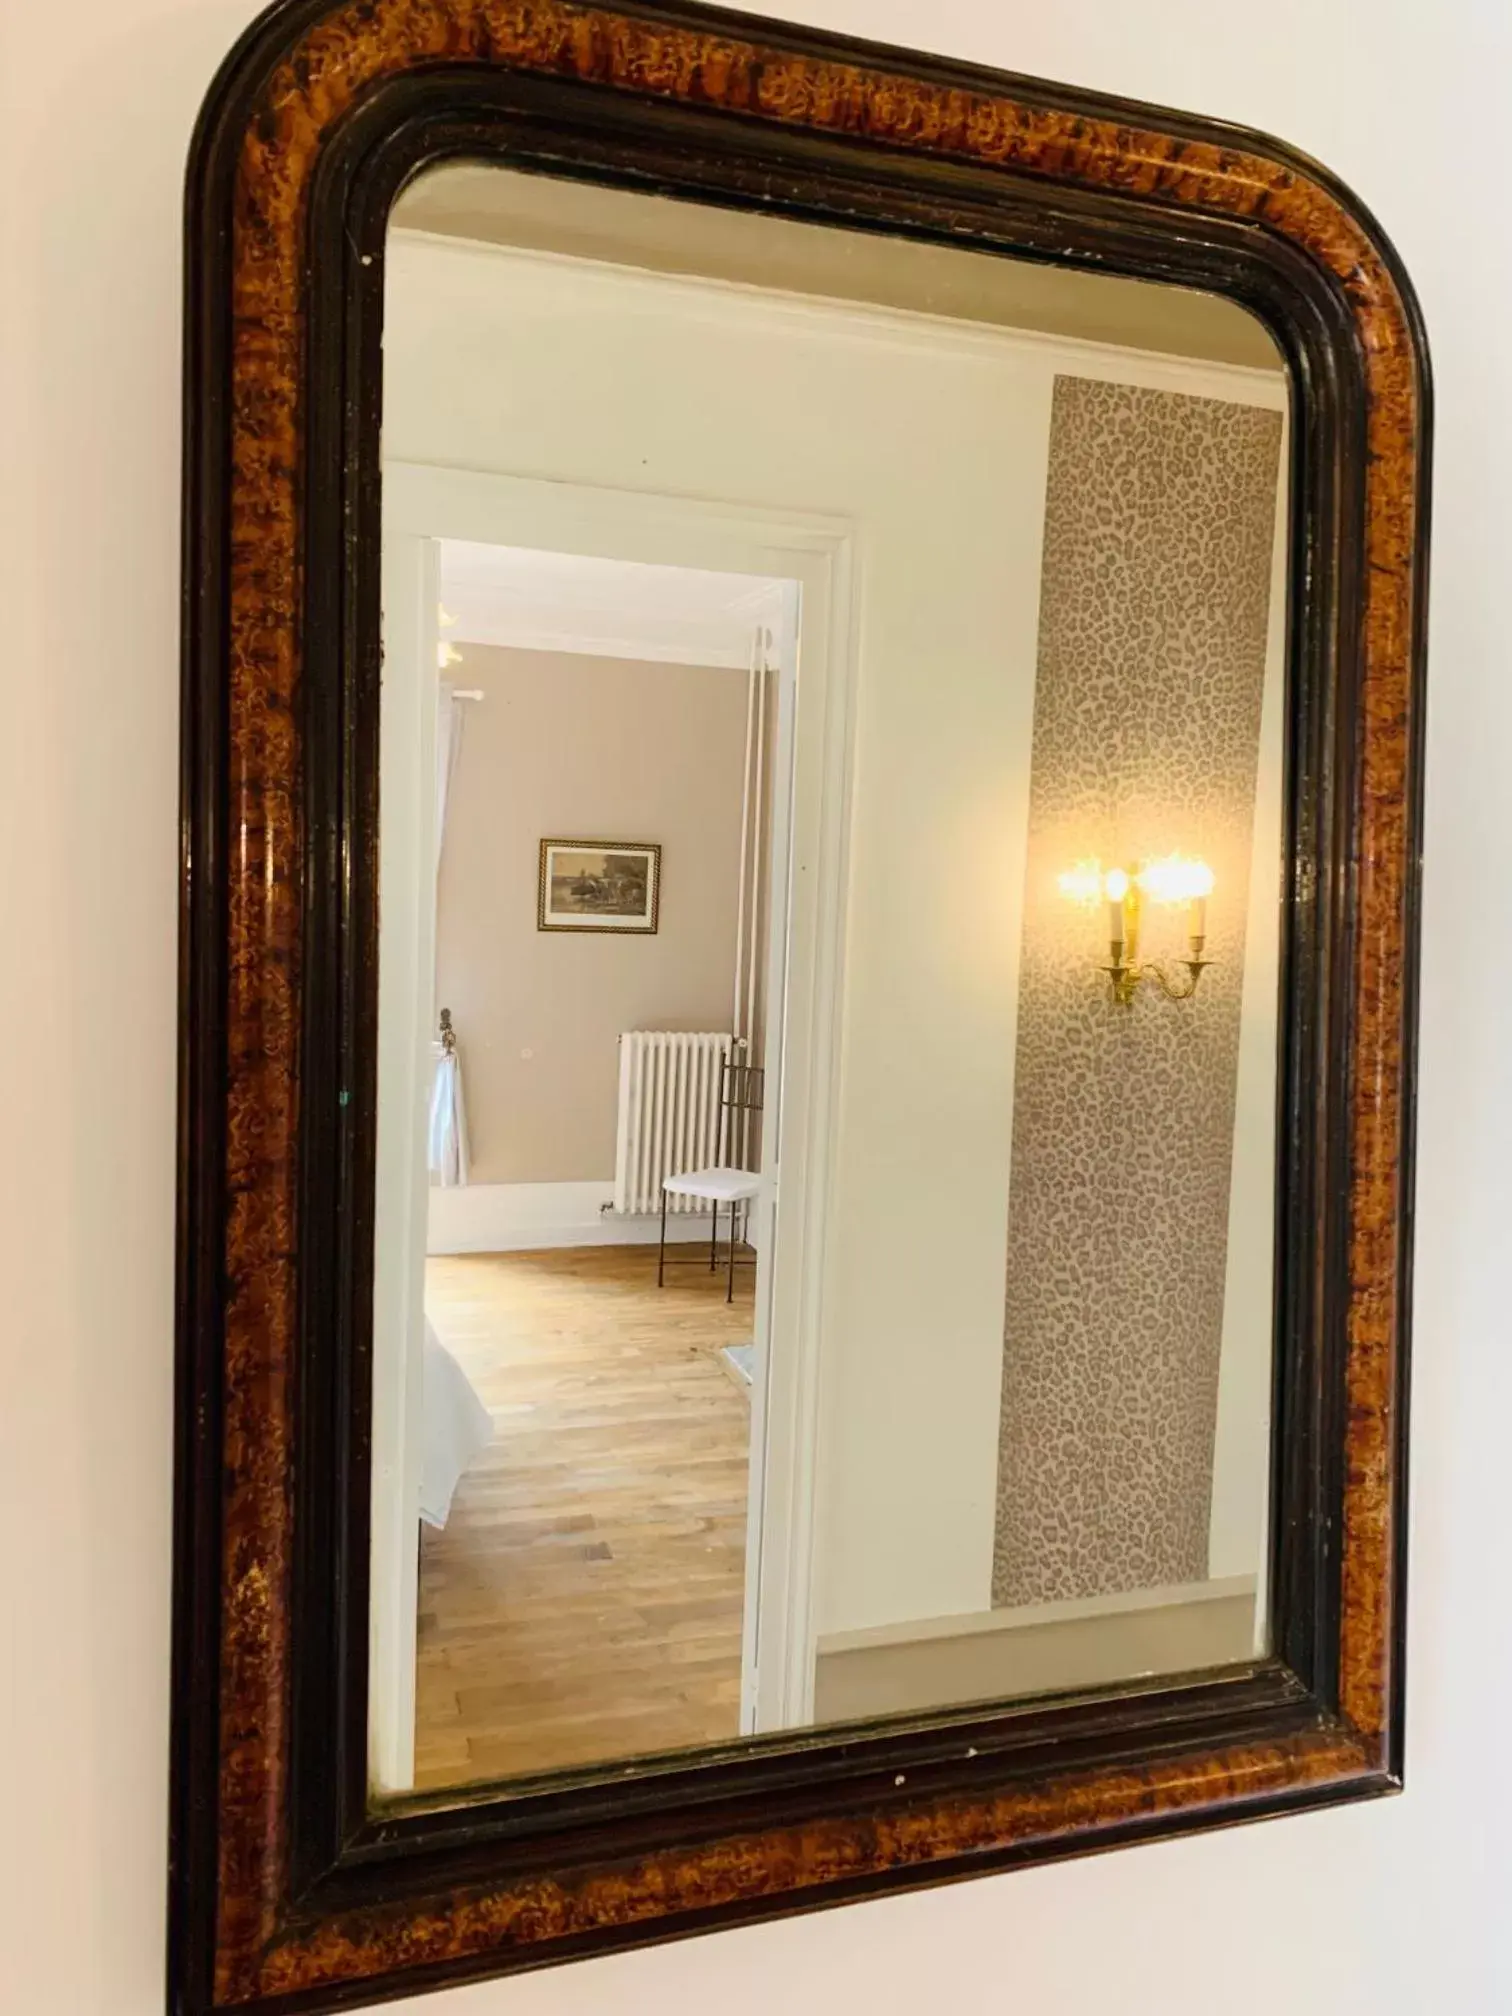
{"x": 448, "y": 1114}
{"x": 448, "y": 748}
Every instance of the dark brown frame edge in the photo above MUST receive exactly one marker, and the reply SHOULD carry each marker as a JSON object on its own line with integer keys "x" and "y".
{"x": 284, "y": 1894}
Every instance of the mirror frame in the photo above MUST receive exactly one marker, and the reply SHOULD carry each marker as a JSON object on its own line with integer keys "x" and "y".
{"x": 286, "y": 1892}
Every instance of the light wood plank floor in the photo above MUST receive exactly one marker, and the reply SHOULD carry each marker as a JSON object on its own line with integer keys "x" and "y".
{"x": 584, "y": 1599}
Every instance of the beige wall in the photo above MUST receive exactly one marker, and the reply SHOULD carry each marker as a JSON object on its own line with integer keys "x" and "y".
{"x": 569, "y": 747}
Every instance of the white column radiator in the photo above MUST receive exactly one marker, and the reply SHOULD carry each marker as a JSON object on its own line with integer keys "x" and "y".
{"x": 668, "y": 1113}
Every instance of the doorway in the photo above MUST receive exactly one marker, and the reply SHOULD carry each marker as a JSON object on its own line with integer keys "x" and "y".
{"x": 607, "y": 1476}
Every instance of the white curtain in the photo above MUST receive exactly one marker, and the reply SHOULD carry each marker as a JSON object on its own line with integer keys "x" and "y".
{"x": 448, "y": 1114}
{"x": 449, "y": 716}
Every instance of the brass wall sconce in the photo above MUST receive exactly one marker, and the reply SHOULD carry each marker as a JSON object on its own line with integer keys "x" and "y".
{"x": 1171, "y": 880}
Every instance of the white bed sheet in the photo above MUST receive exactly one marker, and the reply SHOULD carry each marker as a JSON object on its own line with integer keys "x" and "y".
{"x": 457, "y": 1426}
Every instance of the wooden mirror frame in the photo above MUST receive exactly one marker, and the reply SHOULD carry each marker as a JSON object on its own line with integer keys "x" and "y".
{"x": 286, "y": 1893}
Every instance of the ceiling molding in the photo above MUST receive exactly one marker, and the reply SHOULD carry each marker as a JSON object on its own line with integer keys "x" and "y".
{"x": 604, "y": 286}
{"x": 659, "y": 235}
{"x": 517, "y": 598}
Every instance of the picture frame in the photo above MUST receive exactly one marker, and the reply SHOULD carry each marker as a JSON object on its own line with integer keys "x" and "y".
{"x": 608, "y": 886}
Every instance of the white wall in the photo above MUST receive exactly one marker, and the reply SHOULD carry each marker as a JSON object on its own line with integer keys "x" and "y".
{"x": 497, "y": 360}
{"x": 502, "y": 361}
{"x": 1393, "y": 1909}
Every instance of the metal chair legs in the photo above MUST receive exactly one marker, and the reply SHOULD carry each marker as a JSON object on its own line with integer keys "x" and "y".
{"x": 730, "y": 1284}
{"x": 739, "y": 1219}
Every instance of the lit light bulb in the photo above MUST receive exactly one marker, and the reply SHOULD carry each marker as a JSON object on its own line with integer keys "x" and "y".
{"x": 1083, "y": 883}
{"x": 1175, "y": 879}
{"x": 1115, "y": 885}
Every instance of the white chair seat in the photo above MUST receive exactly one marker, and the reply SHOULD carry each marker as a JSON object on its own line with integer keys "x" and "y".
{"x": 719, "y": 1186}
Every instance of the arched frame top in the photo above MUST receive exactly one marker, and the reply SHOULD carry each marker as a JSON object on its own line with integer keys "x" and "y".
{"x": 284, "y": 1892}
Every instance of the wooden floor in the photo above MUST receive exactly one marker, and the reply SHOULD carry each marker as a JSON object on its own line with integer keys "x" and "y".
{"x": 584, "y": 1600}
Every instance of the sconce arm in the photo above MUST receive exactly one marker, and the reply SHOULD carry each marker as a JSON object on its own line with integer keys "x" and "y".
{"x": 1162, "y": 979}
{"x": 1126, "y": 979}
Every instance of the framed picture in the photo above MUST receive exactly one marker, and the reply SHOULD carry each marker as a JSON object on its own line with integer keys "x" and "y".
{"x": 599, "y": 885}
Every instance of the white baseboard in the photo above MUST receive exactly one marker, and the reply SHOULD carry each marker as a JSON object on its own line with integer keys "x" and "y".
{"x": 1039, "y": 1648}
{"x": 530, "y": 1217}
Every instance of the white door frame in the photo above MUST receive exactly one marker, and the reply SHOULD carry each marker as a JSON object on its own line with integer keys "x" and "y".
{"x": 425, "y": 503}
{"x": 406, "y": 1028}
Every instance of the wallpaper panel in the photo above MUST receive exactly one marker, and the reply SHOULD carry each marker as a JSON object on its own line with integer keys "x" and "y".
{"x": 1154, "y": 603}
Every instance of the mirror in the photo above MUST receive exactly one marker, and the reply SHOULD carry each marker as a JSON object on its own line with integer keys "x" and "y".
{"x": 800, "y": 822}
{"x": 831, "y": 784}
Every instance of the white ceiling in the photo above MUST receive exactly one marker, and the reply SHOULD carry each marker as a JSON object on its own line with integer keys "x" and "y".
{"x": 515, "y": 595}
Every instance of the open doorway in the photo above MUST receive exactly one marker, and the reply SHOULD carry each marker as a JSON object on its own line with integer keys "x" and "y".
{"x": 577, "y": 1193}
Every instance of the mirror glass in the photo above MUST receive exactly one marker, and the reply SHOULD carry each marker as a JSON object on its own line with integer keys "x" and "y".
{"x": 830, "y": 877}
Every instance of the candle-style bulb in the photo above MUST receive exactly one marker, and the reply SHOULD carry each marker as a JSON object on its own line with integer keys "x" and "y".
{"x": 1116, "y": 888}
{"x": 1201, "y": 886}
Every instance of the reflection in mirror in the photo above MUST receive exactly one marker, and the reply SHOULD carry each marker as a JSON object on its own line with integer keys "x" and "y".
{"x": 831, "y": 827}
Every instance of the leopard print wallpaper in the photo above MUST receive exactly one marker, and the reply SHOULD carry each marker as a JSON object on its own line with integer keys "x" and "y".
{"x": 1152, "y": 639}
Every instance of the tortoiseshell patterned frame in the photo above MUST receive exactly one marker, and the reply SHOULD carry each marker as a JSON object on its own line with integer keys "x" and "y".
{"x": 286, "y": 1893}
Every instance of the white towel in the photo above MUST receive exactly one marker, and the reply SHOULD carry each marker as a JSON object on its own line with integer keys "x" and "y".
{"x": 448, "y": 1121}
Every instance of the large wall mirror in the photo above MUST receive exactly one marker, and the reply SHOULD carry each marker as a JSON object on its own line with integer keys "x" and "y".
{"x": 801, "y": 762}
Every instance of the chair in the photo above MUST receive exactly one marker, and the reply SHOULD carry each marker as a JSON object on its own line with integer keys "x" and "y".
{"x": 741, "y": 1088}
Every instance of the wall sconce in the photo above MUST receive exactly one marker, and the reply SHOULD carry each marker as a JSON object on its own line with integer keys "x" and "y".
{"x": 1171, "y": 880}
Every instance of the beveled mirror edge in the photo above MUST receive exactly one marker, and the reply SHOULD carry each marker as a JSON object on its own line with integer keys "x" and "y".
{"x": 240, "y": 1935}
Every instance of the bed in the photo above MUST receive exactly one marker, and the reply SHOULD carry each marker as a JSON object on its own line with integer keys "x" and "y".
{"x": 457, "y": 1426}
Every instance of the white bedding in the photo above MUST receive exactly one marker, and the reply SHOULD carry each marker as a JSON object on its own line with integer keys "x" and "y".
{"x": 457, "y": 1426}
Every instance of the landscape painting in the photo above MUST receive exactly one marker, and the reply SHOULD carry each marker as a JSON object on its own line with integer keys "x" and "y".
{"x": 599, "y": 885}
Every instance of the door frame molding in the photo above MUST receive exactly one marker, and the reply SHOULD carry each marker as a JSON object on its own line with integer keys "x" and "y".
{"x": 808, "y": 849}
{"x": 406, "y": 1022}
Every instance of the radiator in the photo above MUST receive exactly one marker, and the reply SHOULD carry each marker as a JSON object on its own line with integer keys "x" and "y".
{"x": 668, "y": 1114}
